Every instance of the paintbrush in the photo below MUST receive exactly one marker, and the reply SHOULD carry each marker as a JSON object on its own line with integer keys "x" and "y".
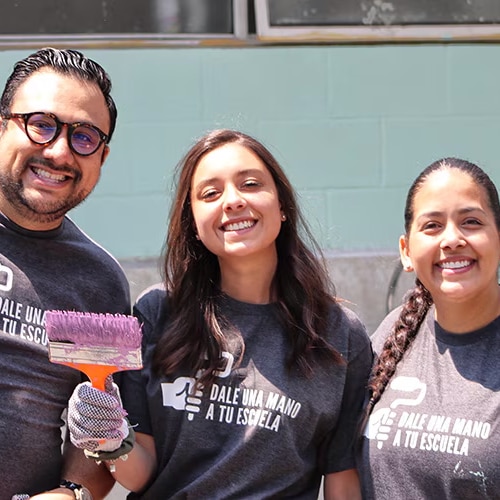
{"x": 96, "y": 344}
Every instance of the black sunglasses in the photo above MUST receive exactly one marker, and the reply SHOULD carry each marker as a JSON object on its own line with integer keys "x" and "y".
{"x": 43, "y": 128}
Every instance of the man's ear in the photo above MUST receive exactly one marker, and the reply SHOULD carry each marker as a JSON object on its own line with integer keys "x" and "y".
{"x": 105, "y": 153}
{"x": 404, "y": 253}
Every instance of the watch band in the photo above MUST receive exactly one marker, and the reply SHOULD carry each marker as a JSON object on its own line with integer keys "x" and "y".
{"x": 81, "y": 493}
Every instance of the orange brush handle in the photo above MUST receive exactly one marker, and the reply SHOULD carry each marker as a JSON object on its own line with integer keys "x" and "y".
{"x": 96, "y": 373}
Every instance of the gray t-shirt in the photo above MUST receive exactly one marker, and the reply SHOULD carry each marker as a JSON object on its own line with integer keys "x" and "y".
{"x": 435, "y": 433}
{"x": 260, "y": 431}
{"x": 59, "y": 269}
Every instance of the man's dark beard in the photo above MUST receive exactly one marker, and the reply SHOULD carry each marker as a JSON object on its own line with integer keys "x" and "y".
{"x": 37, "y": 211}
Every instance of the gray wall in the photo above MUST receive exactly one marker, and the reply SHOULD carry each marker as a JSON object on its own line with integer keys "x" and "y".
{"x": 361, "y": 279}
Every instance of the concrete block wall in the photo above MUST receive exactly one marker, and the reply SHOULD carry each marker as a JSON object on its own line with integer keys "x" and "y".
{"x": 351, "y": 125}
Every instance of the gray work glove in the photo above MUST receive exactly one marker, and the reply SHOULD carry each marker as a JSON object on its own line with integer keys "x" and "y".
{"x": 96, "y": 419}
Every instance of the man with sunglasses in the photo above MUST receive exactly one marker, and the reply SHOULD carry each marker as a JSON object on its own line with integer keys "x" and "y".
{"x": 57, "y": 118}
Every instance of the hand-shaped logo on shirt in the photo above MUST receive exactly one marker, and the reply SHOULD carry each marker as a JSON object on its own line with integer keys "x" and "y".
{"x": 379, "y": 425}
{"x": 381, "y": 420}
{"x": 179, "y": 395}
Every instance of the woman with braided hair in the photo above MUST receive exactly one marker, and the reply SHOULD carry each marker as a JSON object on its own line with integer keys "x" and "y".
{"x": 433, "y": 420}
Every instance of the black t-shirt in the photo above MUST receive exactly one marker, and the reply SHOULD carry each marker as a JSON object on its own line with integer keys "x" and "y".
{"x": 435, "y": 433}
{"x": 42, "y": 270}
{"x": 257, "y": 432}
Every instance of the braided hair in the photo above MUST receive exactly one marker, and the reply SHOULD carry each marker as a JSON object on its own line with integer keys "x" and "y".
{"x": 404, "y": 331}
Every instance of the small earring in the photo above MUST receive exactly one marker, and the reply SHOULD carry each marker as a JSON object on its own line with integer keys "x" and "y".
{"x": 283, "y": 217}
{"x": 408, "y": 268}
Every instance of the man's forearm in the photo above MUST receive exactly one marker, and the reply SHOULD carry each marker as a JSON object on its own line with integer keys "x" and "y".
{"x": 82, "y": 470}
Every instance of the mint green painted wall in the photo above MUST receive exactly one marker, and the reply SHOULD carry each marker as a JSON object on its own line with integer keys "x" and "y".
{"x": 352, "y": 126}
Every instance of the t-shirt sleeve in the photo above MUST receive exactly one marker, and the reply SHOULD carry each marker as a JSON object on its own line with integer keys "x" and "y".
{"x": 340, "y": 453}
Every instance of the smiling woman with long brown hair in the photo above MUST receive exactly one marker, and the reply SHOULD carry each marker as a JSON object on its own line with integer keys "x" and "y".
{"x": 254, "y": 373}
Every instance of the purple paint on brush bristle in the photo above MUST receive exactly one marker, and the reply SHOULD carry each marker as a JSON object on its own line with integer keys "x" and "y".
{"x": 84, "y": 328}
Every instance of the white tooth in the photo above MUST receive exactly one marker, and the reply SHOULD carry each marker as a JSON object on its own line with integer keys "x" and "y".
{"x": 239, "y": 225}
{"x": 53, "y": 177}
{"x": 455, "y": 265}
